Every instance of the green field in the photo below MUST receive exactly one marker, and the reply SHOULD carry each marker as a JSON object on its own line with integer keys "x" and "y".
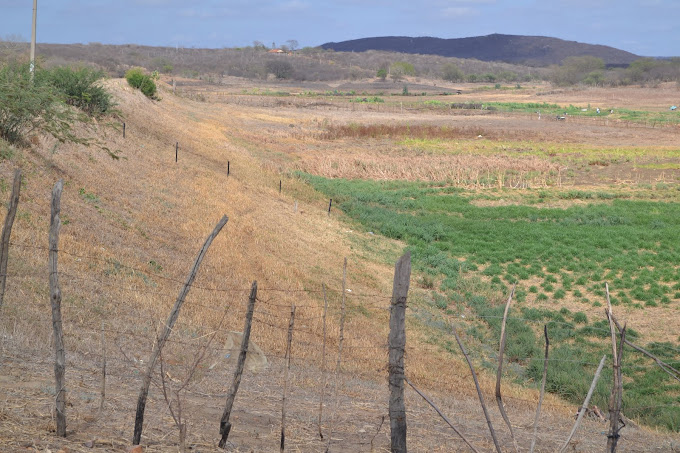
{"x": 469, "y": 246}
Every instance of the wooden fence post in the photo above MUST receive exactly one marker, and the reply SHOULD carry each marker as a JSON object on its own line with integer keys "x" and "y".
{"x": 341, "y": 339}
{"x": 617, "y": 390}
{"x": 55, "y": 301}
{"x": 285, "y": 379}
{"x": 176, "y": 150}
{"x": 167, "y": 329}
{"x": 225, "y": 425}
{"x": 123, "y": 129}
{"x": 397, "y": 347}
{"x": 7, "y": 232}
{"x": 103, "y": 381}
{"x": 323, "y": 360}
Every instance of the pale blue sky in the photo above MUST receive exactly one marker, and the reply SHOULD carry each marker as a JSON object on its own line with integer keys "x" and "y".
{"x": 644, "y": 27}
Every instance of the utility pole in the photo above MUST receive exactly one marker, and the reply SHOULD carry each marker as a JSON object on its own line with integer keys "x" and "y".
{"x": 35, "y": 13}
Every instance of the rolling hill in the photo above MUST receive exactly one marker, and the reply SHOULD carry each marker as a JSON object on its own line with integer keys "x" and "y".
{"x": 529, "y": 50}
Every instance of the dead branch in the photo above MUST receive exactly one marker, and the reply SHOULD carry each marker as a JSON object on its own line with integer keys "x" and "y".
{"x": 441, "y": 415}
{"x": 479, "y": 390}
{"x": 499, "y": 398}
{"x": 584, "y": 408}
{"x": 540, "y": 398}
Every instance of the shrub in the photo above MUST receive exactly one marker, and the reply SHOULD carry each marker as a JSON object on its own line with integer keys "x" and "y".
{"x": 26, "y": 107}
{"x": 280, "y": 68}
{"x": 452, "y": 73}
{"x": 80, "y": 87}
{"x": 137, "y": 79}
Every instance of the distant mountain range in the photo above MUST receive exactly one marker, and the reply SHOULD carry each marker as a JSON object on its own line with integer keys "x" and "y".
{"x": 518, "y": 49}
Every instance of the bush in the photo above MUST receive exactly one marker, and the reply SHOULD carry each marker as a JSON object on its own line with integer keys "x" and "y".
{"x": 80, "y": 88}
{"x": 280, "y": 68}
{"x": 452, "y": 73}
{"x": 27, "y": 107}
{"x": 137, "y": 79}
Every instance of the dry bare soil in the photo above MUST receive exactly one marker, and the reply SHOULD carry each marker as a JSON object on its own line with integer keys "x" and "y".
{"x": 132, "y": 227}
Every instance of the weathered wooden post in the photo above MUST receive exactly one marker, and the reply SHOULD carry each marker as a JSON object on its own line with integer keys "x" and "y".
{"x": 167, "y": 329}
{"x": 55, "y": 301}
{"x": 7, "y": 232}
{"x": 617, "y": 387}
{"x": 176, "y": 150}
{"x": 225, "y": 425}
{"x": 285, "y": 379}
{"x": 330, "y": 203}
{"x": 123, "y": 129}
{"x": 397, "y": 347}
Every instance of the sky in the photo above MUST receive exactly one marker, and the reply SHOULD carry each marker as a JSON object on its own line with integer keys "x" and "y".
{"x": 643, "y": 27}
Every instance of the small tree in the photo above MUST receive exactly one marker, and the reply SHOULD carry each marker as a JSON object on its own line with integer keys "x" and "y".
{"x": 575, "y": 69}
{"x": 280, "y": 68}
{"x": 400, "y": 69}
{"x": 292, "y": 44}
{"x": 452, "y": 73}
{"x": 382, "y": 74}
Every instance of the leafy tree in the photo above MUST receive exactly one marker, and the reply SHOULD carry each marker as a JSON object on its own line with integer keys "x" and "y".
{"x": 280, "y": 68}
{"x": 382, "y": 74}
{"x": 575, "y": 69}
{"x": 452, "y": 73}
{"x": 400, "y": 69}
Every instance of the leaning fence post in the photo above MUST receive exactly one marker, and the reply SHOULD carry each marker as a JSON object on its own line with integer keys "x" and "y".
{"x": 225, "y": 425}
{"x": 397, "y": 346}
{"x": 55, "y": 300}
{"x": 7, "y": 232}
{"x": 167, "y": 329}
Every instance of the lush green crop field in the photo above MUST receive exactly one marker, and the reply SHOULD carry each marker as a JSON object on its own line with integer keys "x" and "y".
{"x": 468, "y": 244}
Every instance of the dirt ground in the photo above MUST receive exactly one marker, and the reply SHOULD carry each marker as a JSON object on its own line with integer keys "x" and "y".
{"x": 359, "y": 422}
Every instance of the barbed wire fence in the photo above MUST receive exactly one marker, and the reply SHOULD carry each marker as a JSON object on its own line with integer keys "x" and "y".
{"x": 198, "y": 356}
